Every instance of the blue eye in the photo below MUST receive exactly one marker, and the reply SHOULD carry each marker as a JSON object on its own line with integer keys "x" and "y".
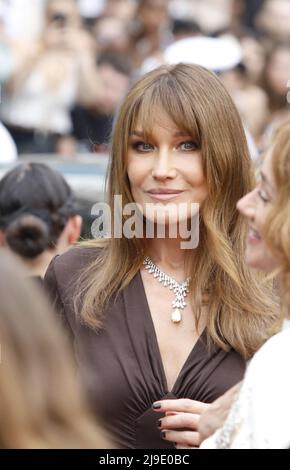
{"x": 188, "y": 146}
{"x": 142, "y": 147}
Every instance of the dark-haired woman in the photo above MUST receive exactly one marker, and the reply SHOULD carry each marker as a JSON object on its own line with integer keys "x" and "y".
{"x": 38, "y": 217}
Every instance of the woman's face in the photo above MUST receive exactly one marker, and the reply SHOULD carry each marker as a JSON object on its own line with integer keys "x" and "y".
{"x": 165, "y": 171}
{"x": 255, "y": 206}
{"x": 279, "y": 71}
{"x": 154, "y": 14}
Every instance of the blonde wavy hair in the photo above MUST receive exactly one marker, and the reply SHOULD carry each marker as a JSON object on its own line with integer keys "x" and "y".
{"x": 277, "y": 227}
{"x": 41, "y": 403}
{"x": 241, "y": 309}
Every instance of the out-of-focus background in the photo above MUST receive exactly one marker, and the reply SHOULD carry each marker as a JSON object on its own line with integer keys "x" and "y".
{"x": 66, "y": 64}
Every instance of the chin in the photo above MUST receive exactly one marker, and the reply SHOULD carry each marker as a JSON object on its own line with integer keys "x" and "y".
{"x": 262, "y": 263}
{"x": 255, "y": 261}
{"x": 257, "y": 265}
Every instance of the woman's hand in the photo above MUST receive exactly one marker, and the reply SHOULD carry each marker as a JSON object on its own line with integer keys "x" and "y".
{"x": 215, "y": 415}
{"x": 180, "y": 425}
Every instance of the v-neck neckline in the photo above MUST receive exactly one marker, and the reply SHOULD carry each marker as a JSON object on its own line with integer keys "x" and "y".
{"x": 156, "y": 344}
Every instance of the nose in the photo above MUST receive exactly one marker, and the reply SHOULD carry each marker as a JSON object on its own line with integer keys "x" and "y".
{"x": 163, "y": 167}
{"x": 247, "y": 205}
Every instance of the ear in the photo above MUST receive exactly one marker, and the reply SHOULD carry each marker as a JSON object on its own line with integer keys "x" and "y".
{"x": 74, "y": 229}
{"x": 71, "y": 234}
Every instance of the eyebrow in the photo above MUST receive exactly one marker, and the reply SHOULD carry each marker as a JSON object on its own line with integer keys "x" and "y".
{"x": 266, "y": 181}
{"x": 176, "y": 134}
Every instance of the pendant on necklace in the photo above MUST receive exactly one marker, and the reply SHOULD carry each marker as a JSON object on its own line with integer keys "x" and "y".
{"x": 180, "y": 289}
{"x": 176, "y": 315}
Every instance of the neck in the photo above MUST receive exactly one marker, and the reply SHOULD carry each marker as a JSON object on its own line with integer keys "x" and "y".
{"x": 38, "y": 266}
{"x": 168, "y": 256}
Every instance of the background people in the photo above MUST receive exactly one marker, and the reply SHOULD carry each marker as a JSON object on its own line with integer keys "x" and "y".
{"x": 8, "y": 147}
{"x": 45, "y": 75}
{"x": 251, "y": 423}
{"x": 42, "y": 405}
{"x": 38, "y": 215}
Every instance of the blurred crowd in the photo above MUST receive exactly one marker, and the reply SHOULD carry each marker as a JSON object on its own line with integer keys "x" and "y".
{"x": 65, "y": 64}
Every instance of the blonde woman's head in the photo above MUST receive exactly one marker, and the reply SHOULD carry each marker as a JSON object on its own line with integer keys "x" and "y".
{"x": 267, "y": 209}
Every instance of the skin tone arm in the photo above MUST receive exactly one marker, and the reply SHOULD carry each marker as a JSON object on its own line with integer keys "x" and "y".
{"x": 216, "y": 414}
{"x": 70, "y": 44}
{"x": 90, "y": 84}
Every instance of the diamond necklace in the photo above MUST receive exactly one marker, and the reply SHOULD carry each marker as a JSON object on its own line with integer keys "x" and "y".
{"x": 180, "y": 289}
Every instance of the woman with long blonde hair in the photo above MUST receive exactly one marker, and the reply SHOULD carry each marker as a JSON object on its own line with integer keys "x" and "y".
{"x": 260, "y": 416}
{"x": 41, "y": 402}
{"x": 179, "y": 154}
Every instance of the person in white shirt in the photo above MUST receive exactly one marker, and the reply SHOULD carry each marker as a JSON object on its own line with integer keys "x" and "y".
{"x": 260, "y": 416}
{"x": 8, "y": 151}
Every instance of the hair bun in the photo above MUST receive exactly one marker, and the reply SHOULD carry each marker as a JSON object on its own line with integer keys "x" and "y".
{"x": 28, "y": 235}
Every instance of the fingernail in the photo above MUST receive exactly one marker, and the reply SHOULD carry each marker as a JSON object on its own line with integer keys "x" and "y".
{"x": 156, "y": 406}
{"x": 159, "y": 423}
{"x": 163, "y": 434}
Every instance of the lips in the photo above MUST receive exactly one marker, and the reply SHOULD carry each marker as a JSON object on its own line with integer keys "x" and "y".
{"x": 164, "y": 194}
{"x": 253, "y": 236}
{"x": 164, "y": 191}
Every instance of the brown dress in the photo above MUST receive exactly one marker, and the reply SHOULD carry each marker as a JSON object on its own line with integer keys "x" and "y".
{"x": 121, "y": 367}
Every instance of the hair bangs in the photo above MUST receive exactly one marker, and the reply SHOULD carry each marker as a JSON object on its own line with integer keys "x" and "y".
{"x": 164, "y": 97}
